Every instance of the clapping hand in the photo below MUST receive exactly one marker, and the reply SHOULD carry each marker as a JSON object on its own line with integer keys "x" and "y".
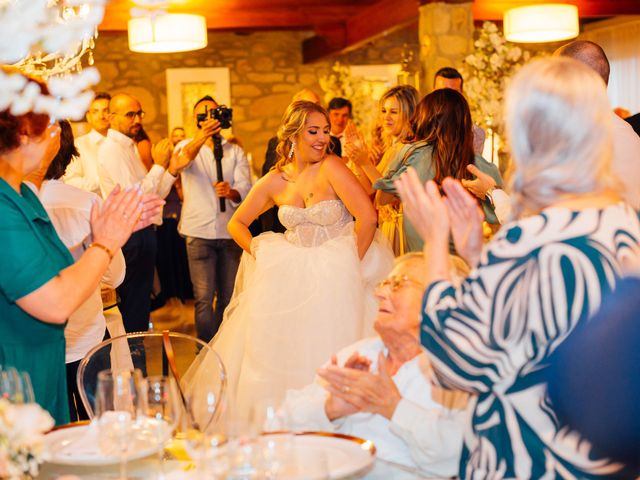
{"x": 161, "y": 152}
{"x": 334, "y": 406}
{"x": 466, "y": 221}
{"x": 368, "y": 392}
{"x": 424, "y": 207}
{"x": 114, "y": 221}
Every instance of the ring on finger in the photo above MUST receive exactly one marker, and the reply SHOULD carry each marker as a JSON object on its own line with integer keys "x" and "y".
{"x": 345, "y": 389}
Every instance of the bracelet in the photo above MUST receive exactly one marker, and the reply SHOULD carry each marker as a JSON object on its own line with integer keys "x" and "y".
{"x": 102, "y": 247}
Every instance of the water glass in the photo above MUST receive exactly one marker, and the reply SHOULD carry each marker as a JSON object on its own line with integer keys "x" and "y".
{"x": 16, "y": 386}
{"x": 161, "y": 408}
{"x": 119, "y": 404}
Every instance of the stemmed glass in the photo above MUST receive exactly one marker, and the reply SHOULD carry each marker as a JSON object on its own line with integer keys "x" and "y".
{"x": 161, "y": 410}
{"x": 15, "y": 386}
{"x": 119, "y": 398}
{"x": 206, "y": 430}
{"x": 270, "y": 425}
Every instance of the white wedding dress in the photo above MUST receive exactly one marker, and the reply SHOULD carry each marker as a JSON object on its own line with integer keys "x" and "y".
{"x": 305, "y": 296}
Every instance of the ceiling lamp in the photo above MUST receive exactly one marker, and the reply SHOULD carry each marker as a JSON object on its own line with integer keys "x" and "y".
{"x": 550, "y": 22}
{"x": 167, "y": 33}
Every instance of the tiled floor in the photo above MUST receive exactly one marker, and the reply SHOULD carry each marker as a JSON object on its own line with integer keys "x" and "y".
{"x": 175, "y": 316}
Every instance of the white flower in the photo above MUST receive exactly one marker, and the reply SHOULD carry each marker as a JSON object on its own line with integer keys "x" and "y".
{"x": 514, "y": 54}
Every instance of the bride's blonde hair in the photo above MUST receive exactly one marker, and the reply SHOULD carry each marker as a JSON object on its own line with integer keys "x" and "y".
{"x": 293, "y": 122}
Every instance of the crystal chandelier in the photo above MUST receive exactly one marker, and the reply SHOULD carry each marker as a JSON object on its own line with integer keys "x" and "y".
{"x": 48, "y": 39}
{"x": 63, "y": 13}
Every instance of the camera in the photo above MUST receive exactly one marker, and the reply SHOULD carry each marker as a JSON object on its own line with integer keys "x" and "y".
{"x": 223, "y": 114}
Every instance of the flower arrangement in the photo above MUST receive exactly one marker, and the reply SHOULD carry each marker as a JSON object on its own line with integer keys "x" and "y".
{"x": 487, "y": 71}
{"x": 22, "y": 427}
{"x": 340, "y": 83}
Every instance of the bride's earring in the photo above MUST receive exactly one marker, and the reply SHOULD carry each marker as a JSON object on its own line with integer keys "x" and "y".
{"x": 293, "y": 146}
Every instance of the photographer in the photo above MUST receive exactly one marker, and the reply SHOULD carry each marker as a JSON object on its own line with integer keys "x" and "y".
{"x": 213, "y": 256}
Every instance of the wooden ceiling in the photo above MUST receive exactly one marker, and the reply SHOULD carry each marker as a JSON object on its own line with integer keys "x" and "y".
{"x": 339, "y": 25}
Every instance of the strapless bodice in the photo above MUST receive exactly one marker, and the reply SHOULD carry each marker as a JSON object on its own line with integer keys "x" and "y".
{"x": 316, "y": 224}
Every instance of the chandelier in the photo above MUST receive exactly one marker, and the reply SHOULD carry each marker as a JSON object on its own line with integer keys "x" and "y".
{"x": 152, "y": 29}
{"x": 550, "y": 22}
{"x": 48, "y": 39}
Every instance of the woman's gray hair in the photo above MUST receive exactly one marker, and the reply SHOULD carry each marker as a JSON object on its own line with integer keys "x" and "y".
{"x": 559, "y": 130}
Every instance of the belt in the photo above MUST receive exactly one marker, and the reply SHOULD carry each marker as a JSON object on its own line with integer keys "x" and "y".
{"x": 109, "y": 298}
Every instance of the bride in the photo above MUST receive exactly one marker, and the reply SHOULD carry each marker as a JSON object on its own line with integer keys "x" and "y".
{"x": 302, "y": 295}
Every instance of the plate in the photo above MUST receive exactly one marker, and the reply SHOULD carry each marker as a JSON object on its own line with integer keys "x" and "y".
{"x": 346, "y": 455}
{"x": 81, "y": 445}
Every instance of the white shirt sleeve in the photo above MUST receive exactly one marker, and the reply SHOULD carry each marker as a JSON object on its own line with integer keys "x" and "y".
{"x": 74, "y": 175}
{"x": 305, "y": 408}
{"x": 433, "y": 436}
{"x": 115, "y": 170}
{"x": 166, "y": 182}
{"x": 501, "y": 205}
{"x": 114, "y": 275}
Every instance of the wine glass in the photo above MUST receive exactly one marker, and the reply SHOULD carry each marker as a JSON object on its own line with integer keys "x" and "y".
{"x": 161, "y": 410}
{"x": 16, "y": 386}
{"x": 119, "y": 398}
{"x": 270, "y": 425}
{"x": 206, "y": 429}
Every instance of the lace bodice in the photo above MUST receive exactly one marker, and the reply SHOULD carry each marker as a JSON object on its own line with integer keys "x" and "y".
{"x": 315, "y": 225}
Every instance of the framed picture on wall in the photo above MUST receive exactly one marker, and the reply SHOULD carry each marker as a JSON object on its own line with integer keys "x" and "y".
{"x": 185, "y": 86}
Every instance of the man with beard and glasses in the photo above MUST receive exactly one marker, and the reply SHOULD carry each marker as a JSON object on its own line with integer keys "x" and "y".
{"x": 120, "y": 164}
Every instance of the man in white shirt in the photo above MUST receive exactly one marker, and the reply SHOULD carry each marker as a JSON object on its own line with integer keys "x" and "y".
{"x": 120, "y": 163}
{"x": 626, "y": 144}
{"x": 82, "y": 172}
{"x": 213, "y": 256}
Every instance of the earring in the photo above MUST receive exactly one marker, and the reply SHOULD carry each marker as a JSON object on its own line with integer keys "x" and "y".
{"x": 293, "y": 146}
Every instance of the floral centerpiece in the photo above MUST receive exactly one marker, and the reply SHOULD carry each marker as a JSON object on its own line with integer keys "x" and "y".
{"x": 486, "y": 71}
{"x": 22, "y": 427}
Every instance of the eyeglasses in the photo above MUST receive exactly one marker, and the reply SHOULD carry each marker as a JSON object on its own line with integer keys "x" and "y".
{"x": 132, "y": 115}
{"x": 396, "y": 281}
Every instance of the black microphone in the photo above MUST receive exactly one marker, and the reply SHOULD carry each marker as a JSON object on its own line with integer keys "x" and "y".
{"x": 217, "y": 154}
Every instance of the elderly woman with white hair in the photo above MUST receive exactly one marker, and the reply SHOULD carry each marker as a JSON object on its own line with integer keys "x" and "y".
{"x": 539, "y": 278}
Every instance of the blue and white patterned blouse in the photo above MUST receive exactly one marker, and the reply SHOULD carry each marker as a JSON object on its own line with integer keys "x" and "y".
{"x": 537, "y": 279}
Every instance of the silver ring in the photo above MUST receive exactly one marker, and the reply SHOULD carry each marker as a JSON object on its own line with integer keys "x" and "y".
{"x": 345, "y": 389}
{"x": 126, "y": 217}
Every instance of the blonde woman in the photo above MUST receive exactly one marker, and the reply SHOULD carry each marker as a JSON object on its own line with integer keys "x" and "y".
{"x": 397, "y": 106}
{"x": 299, "y": 296}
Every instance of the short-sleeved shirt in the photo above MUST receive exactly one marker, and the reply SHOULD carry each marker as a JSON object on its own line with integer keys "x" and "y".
{"x": 31, "y": 255}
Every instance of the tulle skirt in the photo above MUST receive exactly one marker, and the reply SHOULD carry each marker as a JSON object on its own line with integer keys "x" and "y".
{"x": 292, "y": 308}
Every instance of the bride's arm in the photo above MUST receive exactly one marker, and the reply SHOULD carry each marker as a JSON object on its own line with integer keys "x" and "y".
{"x": 353, "y": 196}
{"x": 257, "y": 201}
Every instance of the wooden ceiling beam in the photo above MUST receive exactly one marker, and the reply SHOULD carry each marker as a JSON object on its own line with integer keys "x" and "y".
{"x": 224, "y": 18}
{"x": 381, "y": 18}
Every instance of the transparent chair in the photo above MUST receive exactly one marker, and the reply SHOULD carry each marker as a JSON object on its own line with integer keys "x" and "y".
{"x": 201, "y": 372}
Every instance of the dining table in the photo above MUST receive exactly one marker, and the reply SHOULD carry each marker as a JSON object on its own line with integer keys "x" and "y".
{"x": 176, "y": 465}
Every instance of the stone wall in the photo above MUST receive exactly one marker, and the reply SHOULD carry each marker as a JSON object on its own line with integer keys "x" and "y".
{"x": 266, "y": 69}
{"x": 446, "y": 37}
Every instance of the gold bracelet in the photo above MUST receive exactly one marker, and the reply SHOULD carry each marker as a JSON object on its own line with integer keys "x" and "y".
{"x": 102, "y": 247}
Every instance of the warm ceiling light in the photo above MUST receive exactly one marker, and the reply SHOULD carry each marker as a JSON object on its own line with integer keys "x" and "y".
{"x": 171, "y": 32}
{"x": 550, "y": 22}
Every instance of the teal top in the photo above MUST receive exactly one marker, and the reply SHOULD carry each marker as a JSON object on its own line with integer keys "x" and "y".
{"x": 418, "y": 156}
{"x": 31, "y": 255}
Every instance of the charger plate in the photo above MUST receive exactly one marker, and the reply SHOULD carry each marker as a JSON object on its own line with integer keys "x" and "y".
{"x": 80, "y": 445}
{"x": 347, "y": 456}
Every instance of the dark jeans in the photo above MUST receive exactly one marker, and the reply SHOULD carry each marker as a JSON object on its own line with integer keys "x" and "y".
{"x": 135, "y": 291}
{"x": 213, "y": 265}
{"x": 77, "y": 411}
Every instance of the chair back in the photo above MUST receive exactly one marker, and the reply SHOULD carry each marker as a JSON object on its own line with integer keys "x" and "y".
{"x": 197, "y": 365}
